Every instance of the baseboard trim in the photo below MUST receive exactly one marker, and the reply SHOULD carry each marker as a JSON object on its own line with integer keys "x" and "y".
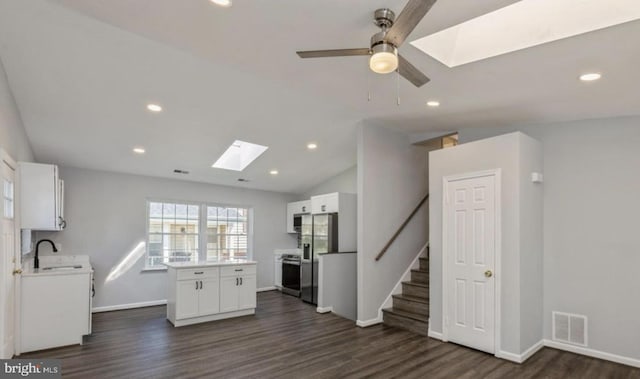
{"x": 520, "y": 358}
{"x": 265, "y": 289}
{"x": 324, "y": 309}
{"x": 593, "y": 353}
{"x": 434, "y": 334}
{"x": 366, "y": 323}
{"x": 120, "y": 307}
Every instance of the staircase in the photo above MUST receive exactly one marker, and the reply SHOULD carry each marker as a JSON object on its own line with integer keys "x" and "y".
{"x": 411, "y": 308}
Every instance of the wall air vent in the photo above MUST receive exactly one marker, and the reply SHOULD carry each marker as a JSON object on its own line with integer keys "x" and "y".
{"x": 569, "y": 328}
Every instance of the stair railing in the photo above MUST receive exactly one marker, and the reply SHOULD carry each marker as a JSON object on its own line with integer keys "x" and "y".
{"x": 404, "y": 224}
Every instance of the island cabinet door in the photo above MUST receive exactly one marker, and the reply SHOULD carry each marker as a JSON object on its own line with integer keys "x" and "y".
{"x": 247, "y": 295}
{"x": 209, "y": 297}
{"x": 187, "y": 299}
{"x": 229, "y": 289}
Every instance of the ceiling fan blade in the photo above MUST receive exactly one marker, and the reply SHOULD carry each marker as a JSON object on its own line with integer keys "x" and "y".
{"x": 413, "y": 12}
{"x": 411, "y": 73}
{"x": 333, "y": 53}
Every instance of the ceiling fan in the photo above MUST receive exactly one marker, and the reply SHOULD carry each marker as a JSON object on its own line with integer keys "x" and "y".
{"x": 384, "y": 44}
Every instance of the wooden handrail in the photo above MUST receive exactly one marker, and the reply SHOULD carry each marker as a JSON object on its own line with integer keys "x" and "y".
{"x": 386, "y": 247}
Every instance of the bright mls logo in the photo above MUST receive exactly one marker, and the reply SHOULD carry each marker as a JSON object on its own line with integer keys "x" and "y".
{"x": 31, "y": 368}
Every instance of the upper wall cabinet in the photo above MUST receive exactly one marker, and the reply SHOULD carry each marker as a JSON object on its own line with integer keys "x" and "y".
{"x": 329, "y": 203}
{"x": 41, "y": 197}
{"x": 296, "y": 208}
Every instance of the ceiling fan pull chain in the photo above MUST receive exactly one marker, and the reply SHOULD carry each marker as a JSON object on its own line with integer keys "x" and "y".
{"x": 398, "y": 84}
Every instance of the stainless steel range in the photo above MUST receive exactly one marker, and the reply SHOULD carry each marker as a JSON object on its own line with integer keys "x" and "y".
{"x": 291, "y": 274}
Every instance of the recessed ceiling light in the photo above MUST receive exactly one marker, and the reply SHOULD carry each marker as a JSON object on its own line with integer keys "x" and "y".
{"x": 139, "y": 150}
{"x": 433, "y": 103}
{"x": 154, "y": 107}
{"x": 273, "y": 172}
{"x": 590, "y": 77}
{"x": 222, "y": 3}
{"x": 312, "y": 146}
{"x": 239, "y": 155}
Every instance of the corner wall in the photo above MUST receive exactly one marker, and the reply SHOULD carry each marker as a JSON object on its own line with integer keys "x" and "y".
{"x": 345, "y": 182}
{"x": 392, "y": 179}
{"x": 591, "y": 239}
{"x": 13, "y": 137}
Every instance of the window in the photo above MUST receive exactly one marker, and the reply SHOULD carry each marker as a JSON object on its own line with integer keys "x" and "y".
{"x": 8, "y": 197}
{"x": 173, "y": 233}
{"x": 227, "y": 233}
{"x": 176, "y": 233}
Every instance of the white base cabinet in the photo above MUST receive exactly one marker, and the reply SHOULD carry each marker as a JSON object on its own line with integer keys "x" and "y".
{"x": 205, "y": 293}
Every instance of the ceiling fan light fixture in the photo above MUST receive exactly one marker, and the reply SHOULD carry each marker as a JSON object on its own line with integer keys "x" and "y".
{"x": 384, "y": 58}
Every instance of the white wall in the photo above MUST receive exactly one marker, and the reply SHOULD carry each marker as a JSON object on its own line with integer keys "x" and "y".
{"x": 106, "y": 215}
{"x": 521, "y": 221}
{"x": 346, "y": 182}
{"x": 338, "y": 284}
{"x": 13, "y": 138}
{"x": 591, "y": 238}
{"x": 392, "y": 179}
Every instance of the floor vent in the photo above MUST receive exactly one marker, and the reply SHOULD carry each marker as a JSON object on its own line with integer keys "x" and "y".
{"x": 570, "y": 328}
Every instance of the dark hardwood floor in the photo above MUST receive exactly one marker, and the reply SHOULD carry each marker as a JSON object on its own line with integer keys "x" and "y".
{"x": 288, "y": 339}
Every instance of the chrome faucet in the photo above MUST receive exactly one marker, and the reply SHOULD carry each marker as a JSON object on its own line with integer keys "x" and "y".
{"x": 36, "y": 261}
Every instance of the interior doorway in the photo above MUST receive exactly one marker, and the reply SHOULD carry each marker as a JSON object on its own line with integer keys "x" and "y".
{"x": 8, "y": 255}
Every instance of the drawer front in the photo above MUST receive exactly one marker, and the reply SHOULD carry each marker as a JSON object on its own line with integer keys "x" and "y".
{"x": 197, "y": 273}
{"x": 238, "y": 270}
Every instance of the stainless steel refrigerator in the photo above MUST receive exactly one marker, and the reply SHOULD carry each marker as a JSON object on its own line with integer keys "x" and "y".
{"x": 319, "y": 235}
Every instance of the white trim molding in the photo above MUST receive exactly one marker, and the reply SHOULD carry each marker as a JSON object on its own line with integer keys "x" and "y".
{"x": 265, "y": 289}
{"x": 324, "y": 309}
{"x": 120, "y": 307}
{"x": 366, "y": 323}
{"x": 433, "y": 334}
{"x": 593, "y": 353}
{"x": 520, "y": 358}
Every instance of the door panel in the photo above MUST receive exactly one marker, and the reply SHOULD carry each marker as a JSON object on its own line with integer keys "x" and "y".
{"x": 8, "y": 254}
{"x": 247, "y": 295}
{"x": 186, "y": 299}
{"x": 209, "y": 297}
{"x": 229, "y": 294}
{"x": 470, "y": 219}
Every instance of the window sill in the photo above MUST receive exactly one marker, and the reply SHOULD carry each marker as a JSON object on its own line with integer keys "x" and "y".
{"x": 153, "y": 269}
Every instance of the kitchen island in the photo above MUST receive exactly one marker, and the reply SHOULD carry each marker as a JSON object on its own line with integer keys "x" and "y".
{"x": 208, "y": 291}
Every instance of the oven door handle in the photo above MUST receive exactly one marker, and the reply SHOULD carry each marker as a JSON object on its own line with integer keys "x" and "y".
{"x": 292, "y": 263}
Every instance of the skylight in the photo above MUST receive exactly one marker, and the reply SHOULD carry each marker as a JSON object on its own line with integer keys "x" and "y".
{"x": 524, "y": 24}
{"x": 239, "y": 155}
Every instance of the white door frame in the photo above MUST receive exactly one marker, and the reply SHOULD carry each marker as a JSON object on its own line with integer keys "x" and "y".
{"x": 497, "y": 173}
{"x": 6, "y": 158}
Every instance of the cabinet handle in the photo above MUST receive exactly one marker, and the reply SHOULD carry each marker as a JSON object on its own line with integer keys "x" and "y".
{"x": 201, "y": 284}
{"x": 304, "y": 209}
{"x": 196, "y": 284}
{"x": 236, "y": 281}
{"x": 239, "y": 269}
{"x": 240, "y": 281}
{"x": 324, "y": 207}
{"x": 199, "y": 272}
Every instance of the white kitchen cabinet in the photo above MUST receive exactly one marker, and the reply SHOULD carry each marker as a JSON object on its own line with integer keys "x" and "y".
{"x": 329, "y": 203}
{"x": 41, "y": 197}
{"x": 237, "y": 288}
{"x": 296, "y": 208}
{"x": 210, "y": 291}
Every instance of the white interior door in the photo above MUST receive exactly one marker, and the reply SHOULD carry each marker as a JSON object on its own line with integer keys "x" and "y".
{"x": 7, "y": 258}
{"x": 469, "y": 256}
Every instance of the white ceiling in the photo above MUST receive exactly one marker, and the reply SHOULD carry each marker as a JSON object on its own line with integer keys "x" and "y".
{"x": 82, "y": 72}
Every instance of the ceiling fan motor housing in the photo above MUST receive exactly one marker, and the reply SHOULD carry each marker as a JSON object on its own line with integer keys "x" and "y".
{"x": 384, "y": 18}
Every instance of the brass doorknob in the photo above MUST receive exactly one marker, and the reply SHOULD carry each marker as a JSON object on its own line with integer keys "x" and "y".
{"x": 488, "y": 273}
{"x": 16, "y": 272}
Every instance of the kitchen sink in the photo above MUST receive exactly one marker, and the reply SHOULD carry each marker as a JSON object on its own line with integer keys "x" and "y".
{"x": 56, "y": 268}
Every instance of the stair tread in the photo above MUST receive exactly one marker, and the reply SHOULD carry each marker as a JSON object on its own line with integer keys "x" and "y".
{"x": 417, "y": 284}
{"x": 412, "y": 298}
{"x": 418, "y": 270}
{"x": 411, "y": 315}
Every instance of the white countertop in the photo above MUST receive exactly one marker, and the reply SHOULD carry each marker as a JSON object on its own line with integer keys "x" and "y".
{"x": 287, "y": 251}
{"x": 58, "y": 261}
{"x": 226, "y": 262}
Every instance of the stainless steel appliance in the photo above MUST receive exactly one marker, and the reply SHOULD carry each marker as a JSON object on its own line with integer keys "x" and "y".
{"x": 319, "y": 235}
{"x": 291, "y": 274}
